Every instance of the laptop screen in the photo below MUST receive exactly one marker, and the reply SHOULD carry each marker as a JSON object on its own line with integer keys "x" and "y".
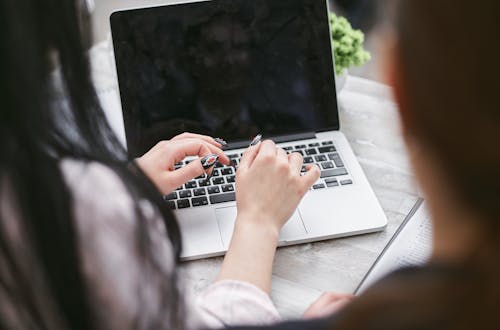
{"x": 225, "y": 68}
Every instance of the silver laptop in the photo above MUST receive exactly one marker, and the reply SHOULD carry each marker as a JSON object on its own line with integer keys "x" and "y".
{"x": 234, "y": 69}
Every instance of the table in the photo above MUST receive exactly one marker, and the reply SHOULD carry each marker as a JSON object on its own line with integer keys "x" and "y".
{"x": 301, "y": 273}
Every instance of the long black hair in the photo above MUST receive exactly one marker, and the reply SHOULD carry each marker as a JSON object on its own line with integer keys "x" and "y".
{"x": 36, "y": 133}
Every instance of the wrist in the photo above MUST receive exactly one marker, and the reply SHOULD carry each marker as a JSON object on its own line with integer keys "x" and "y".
{"x": 257, "y": 226}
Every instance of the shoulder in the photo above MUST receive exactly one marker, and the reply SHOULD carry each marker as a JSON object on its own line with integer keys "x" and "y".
{"x": 104, "y": 206}
{"x": 93, "y": 182}
{"x": 415, "y": 297}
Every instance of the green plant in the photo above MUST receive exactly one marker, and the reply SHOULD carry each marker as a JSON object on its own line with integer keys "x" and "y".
{"x": 348, "y": 44}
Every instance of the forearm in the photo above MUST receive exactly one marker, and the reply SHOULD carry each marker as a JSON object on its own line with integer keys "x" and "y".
{"x": 251, "y": 254}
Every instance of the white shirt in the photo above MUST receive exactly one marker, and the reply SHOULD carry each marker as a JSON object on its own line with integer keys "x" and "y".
{"x": 107, "y": 228}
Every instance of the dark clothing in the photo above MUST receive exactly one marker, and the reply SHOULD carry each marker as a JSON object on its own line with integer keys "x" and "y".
{"x": 430, "y": 297}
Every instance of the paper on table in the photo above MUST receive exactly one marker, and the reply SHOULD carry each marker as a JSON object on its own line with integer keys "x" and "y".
{"x": 411, "y": 245}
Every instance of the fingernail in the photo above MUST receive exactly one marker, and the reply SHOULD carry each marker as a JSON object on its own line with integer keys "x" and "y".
{"x": 207, "y": 180}
{"x": 220, "y": 141}
{"x": 209, "y": 161}
{"x": 256, "y": 140}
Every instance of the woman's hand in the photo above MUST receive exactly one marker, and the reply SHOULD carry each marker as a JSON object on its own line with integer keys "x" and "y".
{"x": 158, "y": 163}
{"x": 269, "y": 185}
{"x": 327, "y": 304}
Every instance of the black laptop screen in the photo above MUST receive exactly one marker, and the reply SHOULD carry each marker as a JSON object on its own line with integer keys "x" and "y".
{"x": 225, "y": 68}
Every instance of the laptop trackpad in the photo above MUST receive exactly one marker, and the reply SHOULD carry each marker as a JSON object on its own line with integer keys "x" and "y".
{"x": 294, "y": 229}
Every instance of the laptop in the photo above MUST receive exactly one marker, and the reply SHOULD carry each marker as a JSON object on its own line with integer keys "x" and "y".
{"x": 234, "y": 69}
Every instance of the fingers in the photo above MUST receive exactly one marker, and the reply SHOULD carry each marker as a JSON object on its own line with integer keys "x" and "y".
{"x": 311, "y": 175}
{"x": 205, "y": 138}
{"x": 327, "y": 304}
{"x": 198, "y": 147}
{"x": 267, "y": 151}
{"x": 184, "y": 174}
{"x": 281, "y": 153}
{"x": 249, "y": 157}
{"x": 296, "y": 161}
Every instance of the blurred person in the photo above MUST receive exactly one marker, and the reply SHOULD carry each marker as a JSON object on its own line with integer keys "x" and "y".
{"x": 444, "y": 66}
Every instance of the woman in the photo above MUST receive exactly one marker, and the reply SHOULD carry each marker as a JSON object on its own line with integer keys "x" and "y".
{"x": 445, "y": 71}
{"x": 86, "y": 241}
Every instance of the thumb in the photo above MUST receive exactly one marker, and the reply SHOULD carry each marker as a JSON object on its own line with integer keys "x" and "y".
{"x": 311, "y": 176}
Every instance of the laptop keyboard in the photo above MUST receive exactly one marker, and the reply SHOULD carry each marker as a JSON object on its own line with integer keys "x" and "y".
{"x": 221, "y": 188}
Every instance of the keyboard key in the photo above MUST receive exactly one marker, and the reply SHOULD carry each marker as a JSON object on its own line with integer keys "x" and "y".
{"x": 308, "y": 160}
{"x": 336, "y": 159}
{"x": 233, "y": 156}
{"x": 327, "y": 149}
{"x": 327, "y": 165}
{"x": 213, "y": 190}
{"x": 312, "y": 145}
{"x": 333, "y": 156}
{"x": 223, "y": 198}
{"x": 332, "y": 184}
{"x": 180, "y": 188}
{"x": 227, "y": 188}
{"x": 300, "y": 152}
{"x": 302, "y": 146}
{"x": 345, "y": 182}
{"x": 185, "y": 194}
{"x": 203, "y": 176}
{"x": 200, "y": 192}
{"x": 191, "y": 185}
{"x": 183, "y": 203}
{"x": 199, "y": 201}
{"x": 310, "y": 152}
{"x": 171, "y": 197}
{"x": 288, "y": 148}
{"x": 171, "y": 205}
{"x": 176, "y": 167}
{"x": 218, "y": 165}
{"x": 321, "y": 158}
{"x": 216, "y": 173}
{"x": 327, "y": 143}
{"x": 203, "y": 183}
{"x": 227, "y": 171}
{"x": 218, "y": 181}
{"x": 230, "y": 179}
{"x": 179, "y": 164}
{"x": 333, "y": 172}
{"x": 303, "y": 169}
{"x": 338, "y": 162}
{"x": 330, "y": 180}
{"x": 319, "y": 186}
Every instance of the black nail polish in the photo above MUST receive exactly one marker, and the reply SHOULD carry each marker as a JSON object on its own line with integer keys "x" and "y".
{"x": 256, "y": 140}
{"x": 209, "y": 161}
{"x": 233, "y": 164}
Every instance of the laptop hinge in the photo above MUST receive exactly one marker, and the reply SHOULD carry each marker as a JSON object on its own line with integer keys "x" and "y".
{"x": 276, "y": 139}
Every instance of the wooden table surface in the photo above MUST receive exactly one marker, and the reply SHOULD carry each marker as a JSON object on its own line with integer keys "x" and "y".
{"x": 302, "y": 272}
